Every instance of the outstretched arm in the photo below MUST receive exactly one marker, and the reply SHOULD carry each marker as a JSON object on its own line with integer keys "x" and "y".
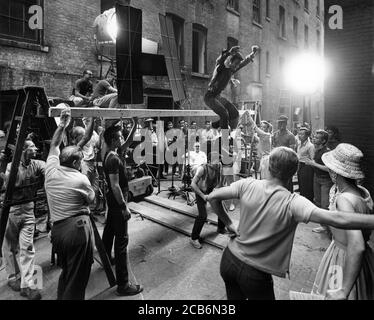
{"x": 249, "y": 58}
{"x": 129, "y": 139}
{"x": 65, "y": 118}
{"x": 342, "y": 220}
{"x": 87, "y": 135}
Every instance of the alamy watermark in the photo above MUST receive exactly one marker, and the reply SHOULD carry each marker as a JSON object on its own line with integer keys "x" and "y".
{"x": 156, "y": 147}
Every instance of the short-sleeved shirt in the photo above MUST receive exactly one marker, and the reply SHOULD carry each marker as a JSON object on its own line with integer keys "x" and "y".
{"x": 318, "y": 159}
{"x": 68, "y": 191}
{"x": 269, "y": 215}
{"x": 305, "y": 150}
{"x": 286, "y": 139}
{"x": 84, "y": 86}
{"x": 114, "y": 165}
{"x": 89, "y": 148}
{"x": 101, "y": 89}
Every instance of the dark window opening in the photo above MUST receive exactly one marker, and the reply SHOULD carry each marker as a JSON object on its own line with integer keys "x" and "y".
{"x": 14, "y": 21}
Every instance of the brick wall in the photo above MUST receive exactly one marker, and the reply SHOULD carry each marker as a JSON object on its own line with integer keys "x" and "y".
{"x": 349, "y": 89}
{"x": 68, "y": 34}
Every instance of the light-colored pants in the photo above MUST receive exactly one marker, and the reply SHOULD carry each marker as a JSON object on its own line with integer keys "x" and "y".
{"x": 19, "y": 240}
{"x": 78, "y": 101}
{"x": 90, "y": 171}
{"x": 107, "y": 101}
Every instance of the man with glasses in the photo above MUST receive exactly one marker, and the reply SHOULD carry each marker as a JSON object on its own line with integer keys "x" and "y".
{"x": 83, "y": 90}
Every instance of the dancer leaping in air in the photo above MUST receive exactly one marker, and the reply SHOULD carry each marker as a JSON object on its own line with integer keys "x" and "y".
{"x": 227, "y": 64}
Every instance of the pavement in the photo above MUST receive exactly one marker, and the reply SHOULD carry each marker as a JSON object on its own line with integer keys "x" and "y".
{"x": 169, "y": 268}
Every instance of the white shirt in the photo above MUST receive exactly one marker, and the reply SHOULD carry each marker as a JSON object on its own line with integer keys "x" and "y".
{"x": 197, "y": 159}
{"x": 89, "y": 148}
{"x": 68, "y": 191}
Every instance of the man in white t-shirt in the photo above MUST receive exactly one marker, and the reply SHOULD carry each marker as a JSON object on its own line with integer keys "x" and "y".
{"x": 88, "y": 140}
{"x": 69, "y": 194}
{"x": 196, "y": 158}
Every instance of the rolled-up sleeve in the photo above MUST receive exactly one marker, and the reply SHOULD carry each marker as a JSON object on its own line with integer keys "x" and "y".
{"x": 301, "y": 208}
{"x": 53, "y": 162}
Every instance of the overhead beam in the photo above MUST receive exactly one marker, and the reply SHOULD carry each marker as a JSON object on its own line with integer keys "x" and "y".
{"x": 130, "y": 113}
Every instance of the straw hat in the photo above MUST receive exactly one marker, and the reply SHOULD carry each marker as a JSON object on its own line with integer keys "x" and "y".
{"x": 345, "y": 161}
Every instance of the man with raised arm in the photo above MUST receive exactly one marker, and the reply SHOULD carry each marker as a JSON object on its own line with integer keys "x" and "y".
{"x": 69, "y": 194}
{"x": 118, "y": 210}
{"x": 227, "y": 64}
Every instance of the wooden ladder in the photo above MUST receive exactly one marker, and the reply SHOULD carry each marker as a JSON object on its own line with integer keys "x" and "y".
{"x": 31, "y": 110}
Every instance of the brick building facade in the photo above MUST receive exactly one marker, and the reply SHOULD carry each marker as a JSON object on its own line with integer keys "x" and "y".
{"x": 67, "y": 47}
{"x": 349, "y": 94}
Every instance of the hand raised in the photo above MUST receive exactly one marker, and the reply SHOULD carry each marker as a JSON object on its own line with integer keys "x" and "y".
{"x": 65, "y": 117}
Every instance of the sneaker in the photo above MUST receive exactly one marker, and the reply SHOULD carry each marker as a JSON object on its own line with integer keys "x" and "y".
{"x": 31, "y": 294}
{"x": 319, "y": 230}
{"x": 129, "y": 290}
{"x": 221, "y": 230}
{"x": 196, "y": 244}
{"x": 15, "y": 284}
{"x": 232, "y": 207}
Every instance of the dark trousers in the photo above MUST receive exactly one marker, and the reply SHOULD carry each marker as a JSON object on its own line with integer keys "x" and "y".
{"x": 201, "y": 219}
{"x": 243, "y": 281}
{"x": 227, "y": 112}
{"x": 72, "y": 242}
{"x": 116, "y": 227}
{"x": 305, "y": 176}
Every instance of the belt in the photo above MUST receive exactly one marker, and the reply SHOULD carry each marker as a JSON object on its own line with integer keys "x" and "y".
{"x": 74, "y": 216}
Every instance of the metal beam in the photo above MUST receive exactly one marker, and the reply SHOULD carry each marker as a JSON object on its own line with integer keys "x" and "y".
{"x": 130, "y": 113}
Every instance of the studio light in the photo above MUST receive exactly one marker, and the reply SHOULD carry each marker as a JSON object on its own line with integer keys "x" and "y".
{"x": 112, "y": 26}
{"x": 305, "y": 73}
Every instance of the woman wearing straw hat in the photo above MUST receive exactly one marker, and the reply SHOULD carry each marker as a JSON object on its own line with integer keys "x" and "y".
{"x": 347, "y": 268}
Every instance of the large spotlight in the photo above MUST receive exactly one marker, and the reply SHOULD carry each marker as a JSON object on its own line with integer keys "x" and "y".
{"x": 112, "y": 27}
{"x": 305, "y": 73}
{"x": 106, "y": 27}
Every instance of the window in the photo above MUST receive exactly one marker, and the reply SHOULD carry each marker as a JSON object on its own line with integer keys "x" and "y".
{"x": 231, "y": 42}
{"x": 306, "y": 36}
{"x": 318, "y": 8}
{"x": 267, "y": 62}
{"x": 14, "y": 21}
{"x": 233, "y": 4}
{"x": 295, "y": 29}
{"x": 282, "y": 22}
{"x": 306, "y": 5}
{"x": 199, "y": 37}
{"x": 267, "y": 4}
{"x": 257, "y": 68}
{"x": 178, "y": 26}
{"x": 257, "y": 11}
{"x": 318, "y": 40}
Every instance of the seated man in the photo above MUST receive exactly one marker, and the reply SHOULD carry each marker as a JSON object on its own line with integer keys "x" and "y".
{"x": 82, "y": 90}
{"x": 105, "y": 95}
{"x": 196, "y": 158}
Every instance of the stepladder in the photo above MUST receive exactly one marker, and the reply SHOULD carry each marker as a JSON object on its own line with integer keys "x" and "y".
{"x": 30, "y": 117}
